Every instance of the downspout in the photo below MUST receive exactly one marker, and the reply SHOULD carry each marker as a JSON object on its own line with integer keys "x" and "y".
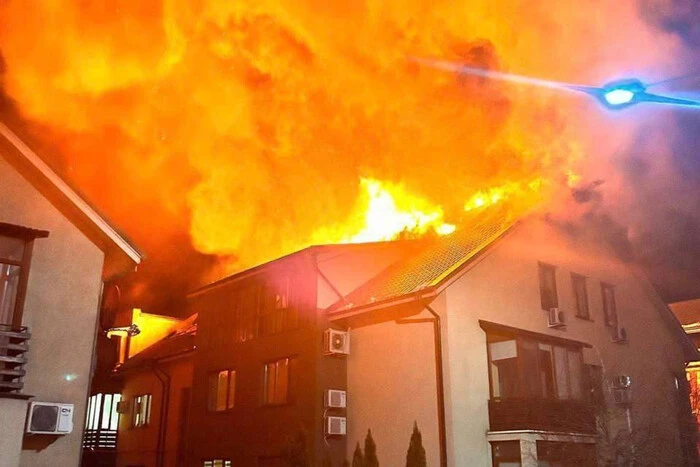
{"x": 440, "y": 382}
{"x": 164, "y": 379}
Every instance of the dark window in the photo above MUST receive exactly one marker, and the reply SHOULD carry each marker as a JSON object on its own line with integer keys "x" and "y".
{"x": 505, "y": 453}
{"x": 141, "y": 411}
{"x": 222, "y": 391}
{"x": 276, "y": 382}
{"x": 580, "y": 296}
{"x": 15, "y": 256}
{"x": 246, "y": 304}
{"x": 277, "y": 313}
{"x": 609, "y": 307}
{"x": 548, "y": 287}
{"x": 524, "y": 367}
{"x": 594, "y": 385}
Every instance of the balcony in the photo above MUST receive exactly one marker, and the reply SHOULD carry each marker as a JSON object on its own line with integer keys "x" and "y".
{"x": 14, "y": 344}
{"x": 554, "y": 415}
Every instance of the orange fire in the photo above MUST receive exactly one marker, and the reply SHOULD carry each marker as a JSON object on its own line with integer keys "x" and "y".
{"x": 248, "y": 124}
{"x": 384, "y": 212}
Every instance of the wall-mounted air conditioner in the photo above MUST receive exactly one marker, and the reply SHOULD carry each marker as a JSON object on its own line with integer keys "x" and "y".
{"x": 555, "y": 318}
{"x": 50, "y": 418}
{"x": 336, "y": 342}
{"x": 336, "y": 426}
{"x": 335, "y": 399}
{"x": 620, "y": 336}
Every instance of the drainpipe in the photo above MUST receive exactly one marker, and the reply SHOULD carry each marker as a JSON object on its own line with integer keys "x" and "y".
{"x": 440, "y": 380}
{"x": 164, "y": 379}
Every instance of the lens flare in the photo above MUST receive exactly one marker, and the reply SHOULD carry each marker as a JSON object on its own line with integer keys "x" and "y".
{"x": 619, "y": 96}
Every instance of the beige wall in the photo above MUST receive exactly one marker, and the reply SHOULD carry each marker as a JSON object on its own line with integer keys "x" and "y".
{"x": 391, "y": 384}
{"x": 60, "y": 311}
{"x": 504, "y": 288}
{"x": 138, "y": 446}
{"x": 14, "y": 412}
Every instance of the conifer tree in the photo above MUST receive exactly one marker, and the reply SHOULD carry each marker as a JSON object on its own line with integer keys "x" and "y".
{"x": 415, "y": 457}
{"x": 370, "y": 451}
{"x": 358, "y": 460}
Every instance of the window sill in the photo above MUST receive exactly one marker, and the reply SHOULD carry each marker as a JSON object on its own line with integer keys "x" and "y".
{"x": 273, "y": 406}
{"x": 585, "y": 318}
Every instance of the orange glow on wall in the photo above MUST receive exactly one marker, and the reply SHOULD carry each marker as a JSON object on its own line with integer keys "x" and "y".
{"x": 153, "y": 328}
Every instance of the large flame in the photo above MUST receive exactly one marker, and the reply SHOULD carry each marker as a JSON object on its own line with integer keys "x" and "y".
{"x": 248, "y": 124}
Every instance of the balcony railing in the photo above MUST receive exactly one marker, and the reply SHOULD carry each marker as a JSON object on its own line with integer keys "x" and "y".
{"x": 14, "y": 344}
{"x": 100, "y": 439}
{"x": 542, "y": 414}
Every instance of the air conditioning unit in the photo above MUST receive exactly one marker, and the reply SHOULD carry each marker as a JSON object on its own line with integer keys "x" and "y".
{"x": 620, "y": 336}
{"x": 622, "y": 396}
{"x": 50, "y": 418}
{"x": 335, "y": 399}
{"x": 336, "y": 426}
{"x": 336, "y": 342}
{"x": 123, "y": 406}
{"x": 621, "y": 381}
{"x": 555, "y": 318}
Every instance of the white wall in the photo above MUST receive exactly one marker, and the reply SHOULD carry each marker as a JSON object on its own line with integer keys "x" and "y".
{"x": 60, "y": 311}
{"x": 503, "y": 287}
{"x": 391, "y": 384}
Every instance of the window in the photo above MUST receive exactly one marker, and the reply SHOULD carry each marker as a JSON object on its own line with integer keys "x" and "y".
{"x": 16, "y": 245}
{"x": 580, "y": 296}
{"x": 222, "y": 391}
{"x": 142, "y": 410}
{"x": 609, "y": 307}
{"x": 217, "y": 463}
{"x": 526, "y": 367}
{"x": 276, "y": 382}
{"x": 246, "y": 303}
{"x": 548, "y": 287}
{"x": 276, "y": 313}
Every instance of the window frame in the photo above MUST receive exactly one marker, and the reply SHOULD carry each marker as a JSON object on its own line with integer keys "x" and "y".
{"x": 215, "y": 374}
{"x": 264, "y": 383}
{"x": 611, "y": 320}
{"x": 28, "y": 236}
{"x": 147, "y": 416}
{"x": 584, "y": 281}
{"x": 522, "y": 388}
{"x": 212, "y": 462}
{"x": 541, "y": 268}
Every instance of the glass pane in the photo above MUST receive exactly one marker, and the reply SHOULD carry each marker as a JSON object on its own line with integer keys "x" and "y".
{"x": 231, "y": 390}
{"x": 114, "y": 417}
{"x": 581, "y": 296}
{"x": 546, "y": 373}
{"x": 91, "y": 403}
{"x": 11, "y": 248}
{"x": 504, "y": 376}
{"x": 282, "y": 386}
{"x": 147, "y": 413}
{"x": 561, "y": 369}
{"x": 218, "y": 463}
{"x": 221, "y": 388}
{"x": 106, "y": 408}
{"x": 530, "y": 369}
{"x": 212, "y": 391}
{"x": 548, "y": 287}
{"x": 270, "y": 383}
{"x": 9, "y": 281}
{"x": 96, "y": 413}
{"x": 575, "y": 374}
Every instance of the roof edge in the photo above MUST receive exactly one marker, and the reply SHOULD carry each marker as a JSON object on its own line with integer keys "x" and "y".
{"x": 110, "y": 232}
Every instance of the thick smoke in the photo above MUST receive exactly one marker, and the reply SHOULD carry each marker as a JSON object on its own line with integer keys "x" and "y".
{"x": 240, "y": 130}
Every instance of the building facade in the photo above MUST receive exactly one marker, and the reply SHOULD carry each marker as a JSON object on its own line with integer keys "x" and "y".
{"x": 55, "y": 253}
{"x": 506, "y": 343}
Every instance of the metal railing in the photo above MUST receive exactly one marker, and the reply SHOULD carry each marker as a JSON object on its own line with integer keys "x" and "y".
{"x": 14, "y": 345}
{"x": 100, "y": 439}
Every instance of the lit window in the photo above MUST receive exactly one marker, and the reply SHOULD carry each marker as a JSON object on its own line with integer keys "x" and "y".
{"x": 548, "y": 287}
{"x": 276, "y": 313}
{"x": 142, "y": 410}
{"x": 217, "y": 463}
{"x": 222, "y": 391}
{"x": 276, "y": 382}
{"x": 580, "y": 295}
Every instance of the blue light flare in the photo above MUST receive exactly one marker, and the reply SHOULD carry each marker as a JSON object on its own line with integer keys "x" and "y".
{"x": 618, "y": 96}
